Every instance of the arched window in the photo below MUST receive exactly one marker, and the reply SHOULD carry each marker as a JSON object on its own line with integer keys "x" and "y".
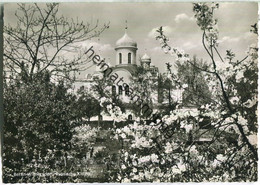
{"x": 120, "y": 92}
{"x": 120, "y": 58}
{"x": 130, "y": 117}
{"x": 129, "y": 58}
{"x": 126, "y": 90}
{"x": 113, "y": 90}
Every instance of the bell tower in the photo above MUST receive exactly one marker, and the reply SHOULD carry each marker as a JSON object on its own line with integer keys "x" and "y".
{"x": 126, "y": 49}
{"x": 146, "y": 61}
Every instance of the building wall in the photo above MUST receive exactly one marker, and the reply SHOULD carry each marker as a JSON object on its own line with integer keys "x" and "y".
{"x": 122, "y": 73}
{"x": 124, "y": 52}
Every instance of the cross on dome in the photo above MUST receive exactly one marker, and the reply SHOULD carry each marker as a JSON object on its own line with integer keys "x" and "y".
{"x": 126, "y": 26}
{"x": 126, "y": 41}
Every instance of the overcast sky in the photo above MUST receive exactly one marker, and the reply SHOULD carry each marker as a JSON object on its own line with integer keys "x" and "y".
{"x": 143, "y": 19}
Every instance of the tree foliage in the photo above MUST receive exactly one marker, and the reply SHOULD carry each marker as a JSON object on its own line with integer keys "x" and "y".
{"x": 88, "y": 106}
{"x": 41, "y": 51}
{"x": 38, "y": 127}
{"x": 142, "y": 83}
{"x": 197, "y": 91}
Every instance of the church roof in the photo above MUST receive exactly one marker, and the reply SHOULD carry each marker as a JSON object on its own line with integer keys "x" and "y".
{"x": 126, "y": 41}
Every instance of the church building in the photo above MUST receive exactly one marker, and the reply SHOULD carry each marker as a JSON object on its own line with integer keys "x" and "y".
{"x": 126, "y": 67}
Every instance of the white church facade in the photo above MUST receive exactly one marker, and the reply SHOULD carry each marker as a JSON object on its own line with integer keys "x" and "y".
{"x": 125, "y": 68}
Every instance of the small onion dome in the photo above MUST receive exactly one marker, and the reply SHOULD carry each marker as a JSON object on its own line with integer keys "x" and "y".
{"x": 146, "y": 57}
{"x": 126, "y": 41}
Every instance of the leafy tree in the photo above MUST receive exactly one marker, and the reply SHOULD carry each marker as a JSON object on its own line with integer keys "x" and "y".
{"x": 142, "y": 100}
{"x": 197, "y": 93}
{"x": 165, "y": 87}
{"x": 87, "y": 105}
{"x": 40, "y": 54}
{"x": 38, "y": 127}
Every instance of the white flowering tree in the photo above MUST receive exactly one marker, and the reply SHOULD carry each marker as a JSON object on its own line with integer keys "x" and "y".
{"x": 234, "y": 108}
{"x": 164, "y": 152}
{"x": 169, "y": 150}
{"x": 109, "y": 103}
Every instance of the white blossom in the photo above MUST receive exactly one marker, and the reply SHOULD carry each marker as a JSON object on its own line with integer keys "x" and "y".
{"x": 154, "y": 158}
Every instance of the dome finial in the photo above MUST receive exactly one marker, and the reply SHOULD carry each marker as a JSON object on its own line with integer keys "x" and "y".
{"x": 126, "y": 41}
{"x": 126, "y": 26}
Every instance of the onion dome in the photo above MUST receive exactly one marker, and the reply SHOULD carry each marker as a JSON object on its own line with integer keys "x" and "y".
{"x": 145, "y": 57}
{"x": 126, "y": 41}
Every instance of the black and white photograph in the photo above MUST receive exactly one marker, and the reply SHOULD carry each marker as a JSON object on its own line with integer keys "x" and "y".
{"x": 129, "y": 92}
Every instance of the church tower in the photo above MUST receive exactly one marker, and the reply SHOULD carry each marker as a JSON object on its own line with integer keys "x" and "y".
{"x": 146, "y": 61}
{"x": 126, "y": 49}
